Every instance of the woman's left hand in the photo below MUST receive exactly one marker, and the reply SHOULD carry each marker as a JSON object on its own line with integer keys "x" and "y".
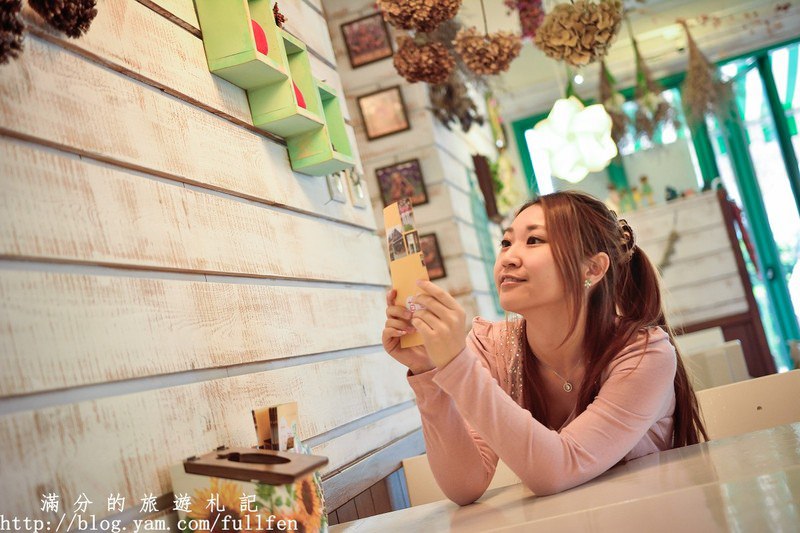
{"x": 441, "y": 323}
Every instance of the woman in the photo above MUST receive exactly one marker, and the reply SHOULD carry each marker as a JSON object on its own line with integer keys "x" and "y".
{"x": 589, "y": 375}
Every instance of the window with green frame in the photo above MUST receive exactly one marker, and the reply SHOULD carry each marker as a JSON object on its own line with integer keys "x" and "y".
{"x": 767, "y": 152}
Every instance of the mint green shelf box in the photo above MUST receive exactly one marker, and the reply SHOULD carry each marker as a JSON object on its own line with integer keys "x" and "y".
{"x": 230, "y": 43}
{"x": 324, "y": 151}
{"x": 276, "y": 108}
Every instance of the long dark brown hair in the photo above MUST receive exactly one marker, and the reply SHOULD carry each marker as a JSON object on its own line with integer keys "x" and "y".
{"x": 624, "y": 302}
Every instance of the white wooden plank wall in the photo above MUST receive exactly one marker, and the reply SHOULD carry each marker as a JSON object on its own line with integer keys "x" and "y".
{"x": 702, "y": 281}
{"x": 163, "y": 270}
{"x": 445, "y": 158}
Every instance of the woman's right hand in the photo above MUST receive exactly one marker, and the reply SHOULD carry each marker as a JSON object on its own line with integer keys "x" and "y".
{"x": 398, "y": 324}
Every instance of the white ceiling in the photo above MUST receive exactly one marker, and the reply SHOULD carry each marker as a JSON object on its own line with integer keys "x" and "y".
{"x": 722, "y": 28}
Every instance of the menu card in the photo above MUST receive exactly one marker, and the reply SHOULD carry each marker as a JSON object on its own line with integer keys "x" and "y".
{"x": 406, "y": 263}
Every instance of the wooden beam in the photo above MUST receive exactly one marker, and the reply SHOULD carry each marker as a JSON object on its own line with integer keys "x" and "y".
{"x": 64, "y": 209}
{"x": 63, "y": 330}
{"x": 136, "y": 127}
{"x": 348, "y": 483}
{"x": 126, "y": 444}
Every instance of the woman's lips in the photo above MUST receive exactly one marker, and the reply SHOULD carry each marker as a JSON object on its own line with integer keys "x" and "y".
{"x": 510, "y": 281}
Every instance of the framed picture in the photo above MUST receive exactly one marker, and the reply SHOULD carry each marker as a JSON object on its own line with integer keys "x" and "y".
{"x": 432, "y": 256}
{"x": 384, "y": 112}
{"x": 402, "y": 180}
{"x": 367, "y": 40}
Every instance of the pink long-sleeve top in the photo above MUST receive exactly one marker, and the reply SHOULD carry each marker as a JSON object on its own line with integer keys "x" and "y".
{"x": 472, "y": 414}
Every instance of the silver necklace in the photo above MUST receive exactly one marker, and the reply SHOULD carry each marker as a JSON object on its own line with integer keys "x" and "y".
{"x": 567, "y": 383}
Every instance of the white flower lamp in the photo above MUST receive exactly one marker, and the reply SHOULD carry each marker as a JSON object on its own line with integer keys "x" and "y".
{"x": 577, "y": 139}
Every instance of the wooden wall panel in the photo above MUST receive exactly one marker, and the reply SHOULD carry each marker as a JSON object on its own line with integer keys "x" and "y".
{"x": 64, "y": 330}
{"x": 136, "y": 126}
{"x": 357, "y": 444}
{"x": 133, "y": 39}
{"x": 181, "y": 9}
{"x": 120, "y": 149}
{"x": 688, "y": 271}
{"x": 357, "y": 478}
{"x": 691, "y": 214}
{"x": 685, "y": 317}
{"x": 686, "y": 304}
{"x": 126, "y": 444}
{"x": 690, "y": 245}
{"x": 61, "y": 208}
{"x": 308, "y": 25}
{"x": 701, "y": 280}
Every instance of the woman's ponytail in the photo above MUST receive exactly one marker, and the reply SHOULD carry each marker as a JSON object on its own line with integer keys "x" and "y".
{"x": 638, "y": 296}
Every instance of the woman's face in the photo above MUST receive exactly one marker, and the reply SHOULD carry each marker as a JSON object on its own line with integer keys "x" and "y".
{"x": 525, "y": 272}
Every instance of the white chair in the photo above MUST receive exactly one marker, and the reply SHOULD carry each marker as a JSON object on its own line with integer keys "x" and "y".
{"x": 750, "y": 405}
{"x": 422, "y": 487}
{"x": 717, "y": 365}
{"x": 700, "y": 340}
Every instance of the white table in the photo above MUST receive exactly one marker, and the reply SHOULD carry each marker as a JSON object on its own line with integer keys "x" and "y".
{"x": 749, "y": 482}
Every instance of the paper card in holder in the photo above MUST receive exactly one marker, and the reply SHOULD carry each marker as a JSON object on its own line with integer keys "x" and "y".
{"x": 406, "y": 262}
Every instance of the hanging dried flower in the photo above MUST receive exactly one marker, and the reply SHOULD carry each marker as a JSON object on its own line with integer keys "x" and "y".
{"x": 653, "y": 111}
{"x": 451, "y": 104}
{"x": 703, "y": 91}
{"x": 72, "y": 17}
{"x": 579, "y": 33}
{"x": 421, "y": 15}
{"x": 429, "y": 62}
{"x": 531, "y": 15}
{"x": 612, "y": 101}
{"x": 11, "y": 27}
{"x": 644, "y": 124}
{"x": 487, "y": 54}
{"x": 280, "y": 19}
{"x": 446, "y": 34}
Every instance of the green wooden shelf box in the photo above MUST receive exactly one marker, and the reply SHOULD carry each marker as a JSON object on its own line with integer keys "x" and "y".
{"x": 326, "y": 150}
{"x": 231, "y": 46}
{"x": 276, "y": 109}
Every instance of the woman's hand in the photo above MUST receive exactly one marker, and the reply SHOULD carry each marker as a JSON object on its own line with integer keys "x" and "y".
{"x": 398, "y": 324}
{"x": 441, "y": 323}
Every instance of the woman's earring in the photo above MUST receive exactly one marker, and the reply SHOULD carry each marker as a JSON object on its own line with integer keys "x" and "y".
{"x": 587, "y": 283}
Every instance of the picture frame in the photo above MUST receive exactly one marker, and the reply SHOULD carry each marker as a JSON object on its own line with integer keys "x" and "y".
{"x": 432, "y": 256}
{"x": 367, "y": 40}
{"x": 402, "y": 180}
{"x": 383, "y": 113}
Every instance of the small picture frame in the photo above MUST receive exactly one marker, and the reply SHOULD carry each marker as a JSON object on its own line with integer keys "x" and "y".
{"x": 357, "y": 187}
{"x": 367, "y": 40}
{"x": 402, "y": 180}
{"x": 383, "y": 113}
{"x": 336, "y": 187}
{"x": 432, "y": 256}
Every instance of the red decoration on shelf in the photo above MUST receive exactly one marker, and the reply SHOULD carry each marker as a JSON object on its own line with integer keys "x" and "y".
{"x": 300, "y": 100}
{"x": 261, "y": 37}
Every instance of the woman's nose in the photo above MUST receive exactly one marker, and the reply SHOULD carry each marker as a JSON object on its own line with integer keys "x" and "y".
{"x": 510, "y": 258}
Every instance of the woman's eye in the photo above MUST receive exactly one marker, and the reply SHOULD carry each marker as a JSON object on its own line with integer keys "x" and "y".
{"x": 534, "y": 240}
{"x": 505, "y": 243}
